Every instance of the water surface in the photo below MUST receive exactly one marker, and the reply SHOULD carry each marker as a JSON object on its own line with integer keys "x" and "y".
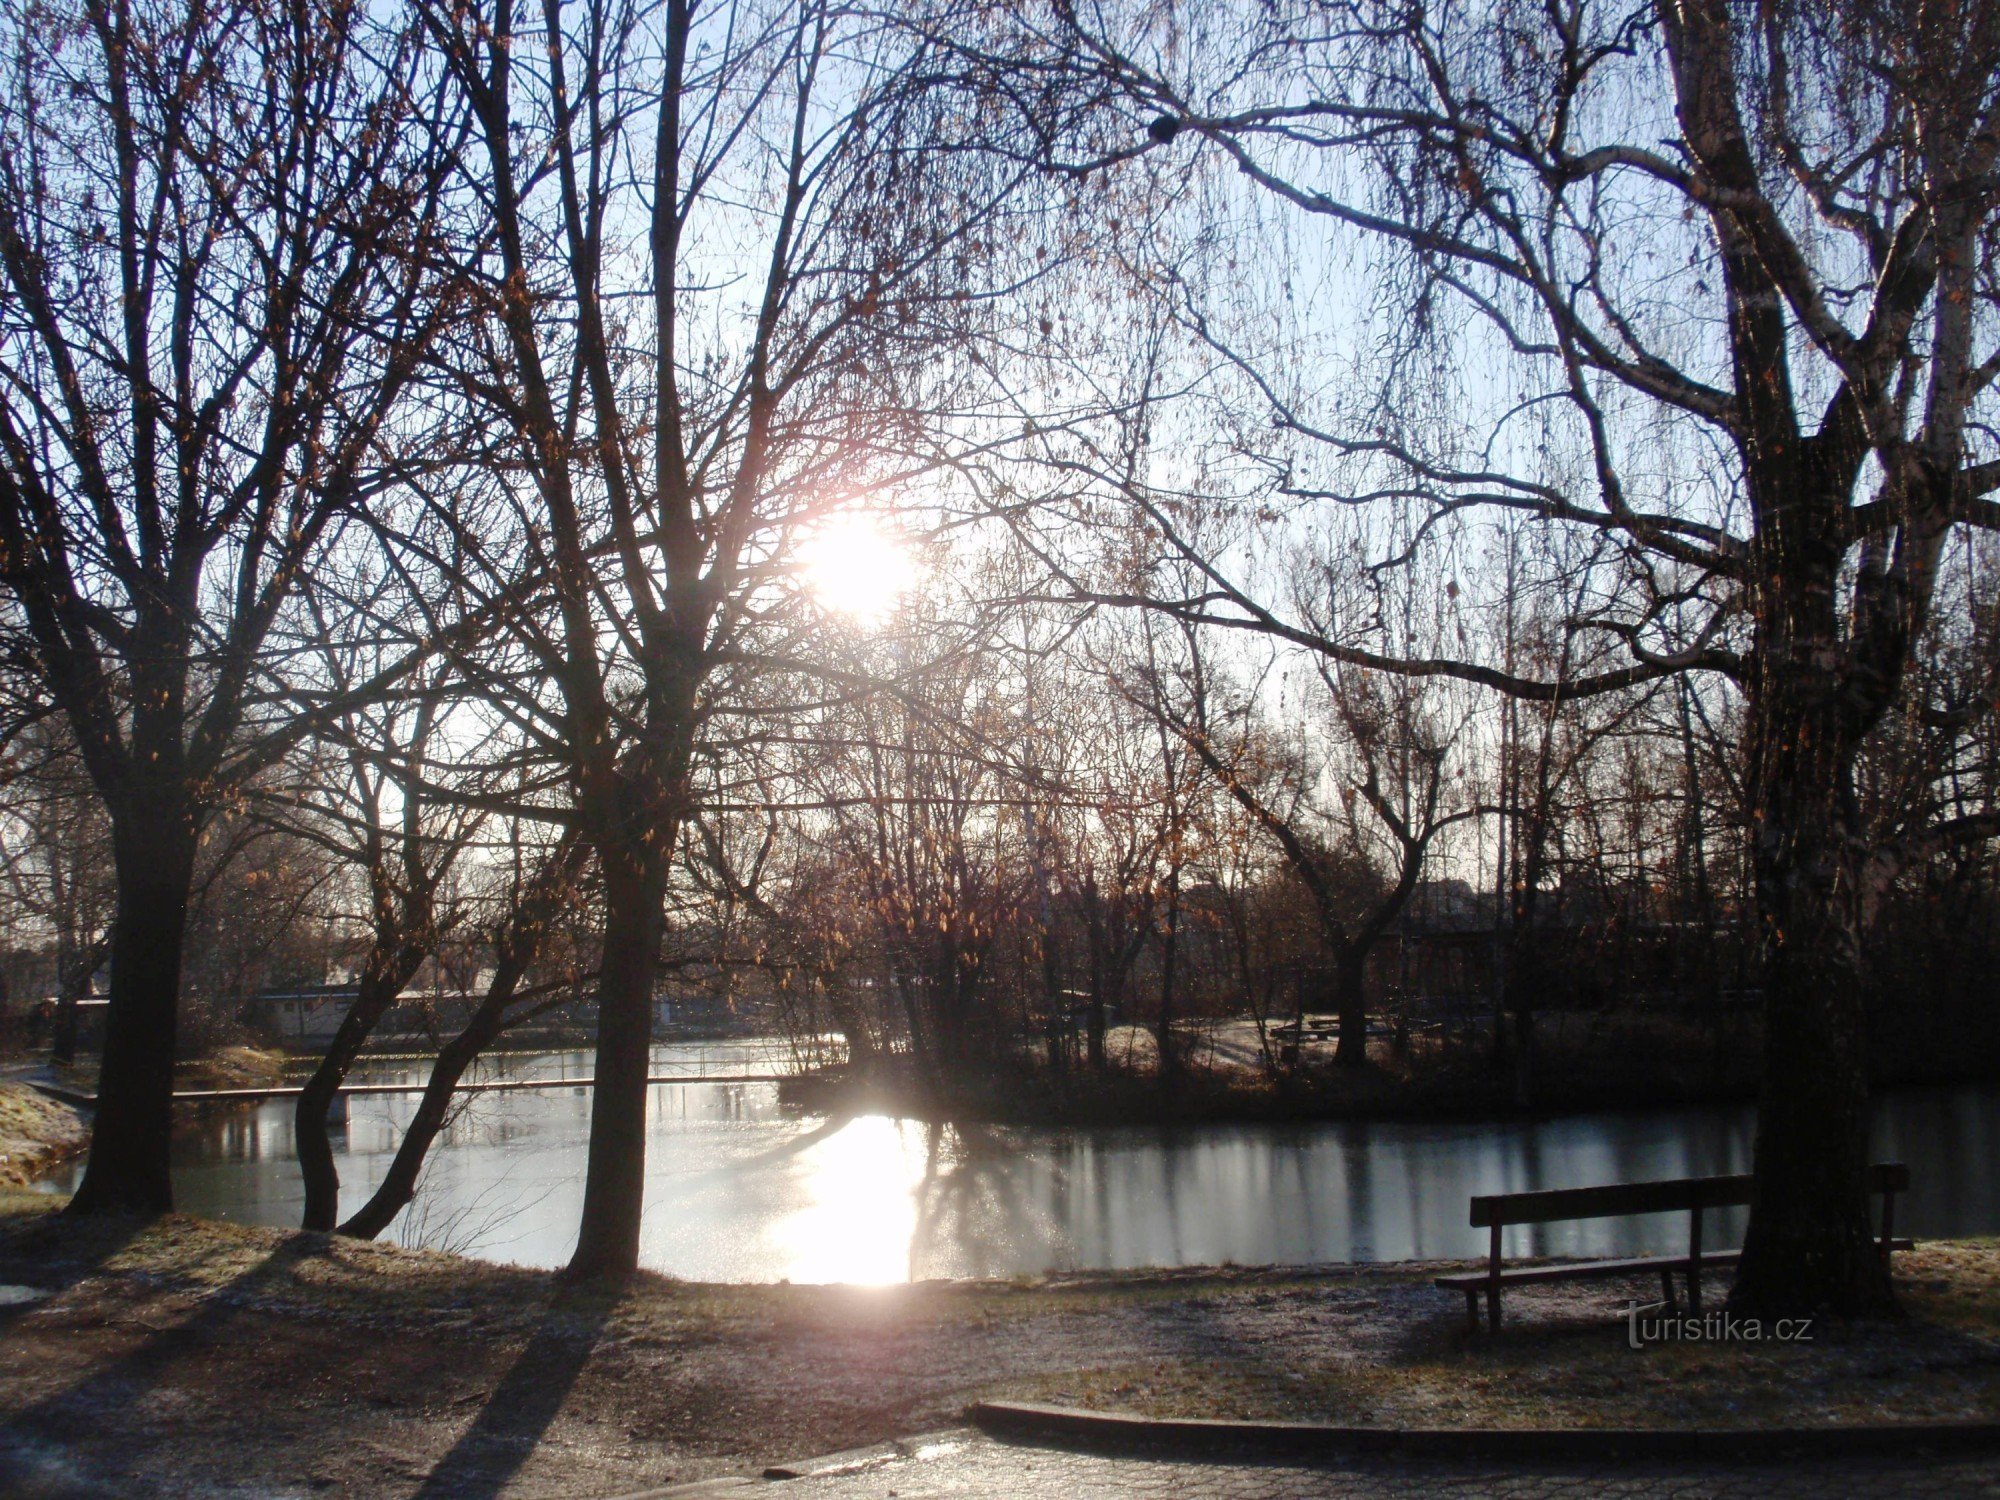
{"x": 739, "y": 1190}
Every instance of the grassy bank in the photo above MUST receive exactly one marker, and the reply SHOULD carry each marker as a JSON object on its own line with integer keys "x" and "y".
{"x": 36, "y": 1134}
{"x": 1461, "y": 1086}
{"x": 182, "y": 1357}
{"x": 232, "y": 1067}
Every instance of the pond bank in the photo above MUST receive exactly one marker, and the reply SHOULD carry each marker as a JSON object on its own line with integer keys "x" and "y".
{"x": 37, "y": 1134}
{"x": 1581, "y": 1064}
{"x": 184, "y": 1357}
{"x": 40, "y": 1134}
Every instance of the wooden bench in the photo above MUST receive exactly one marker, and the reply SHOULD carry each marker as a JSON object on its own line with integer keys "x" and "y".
{"x": 1692, "y": 1195}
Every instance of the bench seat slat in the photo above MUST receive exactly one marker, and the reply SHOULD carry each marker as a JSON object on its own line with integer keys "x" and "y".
{"x": 1580, "y": 1270}
{"x": 1584, "y": 1270}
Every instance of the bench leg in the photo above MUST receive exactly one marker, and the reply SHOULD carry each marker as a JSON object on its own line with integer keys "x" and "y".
{"x": 1667, "y": 1289}
{"x": 1694, "y": 1261}
{"x": 1492, "y": 1309}
{"x": 1472, "y": 1308}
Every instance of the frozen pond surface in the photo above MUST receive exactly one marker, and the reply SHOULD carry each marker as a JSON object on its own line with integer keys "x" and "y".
{"x": 739, "y": 1190}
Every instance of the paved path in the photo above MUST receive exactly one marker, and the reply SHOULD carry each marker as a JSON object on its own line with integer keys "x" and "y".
{"x": 964, "y": 1463}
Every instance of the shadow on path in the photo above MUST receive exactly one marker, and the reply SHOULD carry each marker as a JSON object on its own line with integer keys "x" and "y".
{"x": 524, "y": 1404}
{"x": 45, "y": 1447}
{"x": 53, "y": 1252}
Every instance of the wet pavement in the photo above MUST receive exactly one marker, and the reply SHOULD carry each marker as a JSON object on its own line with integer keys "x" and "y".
{"x": 966, "y": 1463}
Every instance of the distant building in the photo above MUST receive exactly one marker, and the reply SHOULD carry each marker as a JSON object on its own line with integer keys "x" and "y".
{"x": 695, "y": 1012}
{"x": 307, "y": 1016}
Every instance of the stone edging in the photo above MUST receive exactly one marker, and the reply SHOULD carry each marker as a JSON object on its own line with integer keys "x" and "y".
{"x": 1069, "y": 1426}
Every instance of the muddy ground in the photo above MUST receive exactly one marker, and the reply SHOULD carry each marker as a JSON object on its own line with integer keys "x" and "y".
{"x": 180, "y": 1357}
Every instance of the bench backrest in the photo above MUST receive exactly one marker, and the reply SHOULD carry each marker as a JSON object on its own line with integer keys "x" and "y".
{"x": 1615, "y": 1199}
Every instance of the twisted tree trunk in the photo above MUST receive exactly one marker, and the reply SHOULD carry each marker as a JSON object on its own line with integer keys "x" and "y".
{"x": 433, "y": 1111}
{"x": 1350, "y": 967}
{"x": 381, "y": 983}
{"x": 516, "y": 945}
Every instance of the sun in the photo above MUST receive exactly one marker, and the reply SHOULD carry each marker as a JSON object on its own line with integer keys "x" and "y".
{"x": 855, "y": 566}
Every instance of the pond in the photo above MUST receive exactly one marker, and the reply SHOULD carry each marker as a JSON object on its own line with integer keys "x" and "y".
{"x": 740, "y": 1190}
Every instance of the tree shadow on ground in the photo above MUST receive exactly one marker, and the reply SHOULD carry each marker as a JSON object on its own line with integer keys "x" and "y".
{"x": 56, "y": 1445}
{"x": 53, "y": 1252}
{"x": 525, "y": 1403}
{"x": 50, "y": 1433}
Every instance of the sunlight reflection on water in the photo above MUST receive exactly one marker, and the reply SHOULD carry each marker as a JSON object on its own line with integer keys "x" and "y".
{"x": 859, "y": 1219}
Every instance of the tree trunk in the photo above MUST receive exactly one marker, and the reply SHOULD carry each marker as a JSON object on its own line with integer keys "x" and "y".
{"x": 62, "y": 1044}
{"x": 315, "y": 1147}
{"x": 1809, "y": 1247}
{"x": 922, "y": 1055}
{"x": 1094, "y": 1020}
{"x": 1525, "y": 978}
{"x": 1349, "y": 977}
{"x": 614, "y": 1185}
{"x": 851, "y": 1022}
{"x": 399, "y": 1183}
{"x": 948, "y": 997}
{"x": 1169, "y": 957}
{"x": 1053, "y": 998}
{"x": 74, "y": 975}
{"x": 153, "y": 845}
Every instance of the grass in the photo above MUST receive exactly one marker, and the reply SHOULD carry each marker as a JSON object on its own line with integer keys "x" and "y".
{"x": 241, "y": 1360}
{"x": 1940, "y": 1362}
{"x": 1352, "y": 1345}
{"x": 232, "y": 1067}
{"x": 35, "y": 1134}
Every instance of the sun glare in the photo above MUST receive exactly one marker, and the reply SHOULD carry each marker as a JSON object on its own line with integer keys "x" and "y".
{"x": 862, "y": 1219}
{"x": 855, "y": 566}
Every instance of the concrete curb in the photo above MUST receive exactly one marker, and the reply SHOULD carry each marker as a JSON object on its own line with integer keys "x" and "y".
{"x": 1062, "y": 1426}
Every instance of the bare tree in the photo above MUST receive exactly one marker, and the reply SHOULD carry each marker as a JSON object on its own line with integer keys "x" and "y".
{"x": 205, "y": 324}
{"x": 918, "y": 834}
{"x": 708, "y": 238}
{"x": 375, "y": 804}
{"x": 1394, "y": 791}
{"x": 1766, "y": 343}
